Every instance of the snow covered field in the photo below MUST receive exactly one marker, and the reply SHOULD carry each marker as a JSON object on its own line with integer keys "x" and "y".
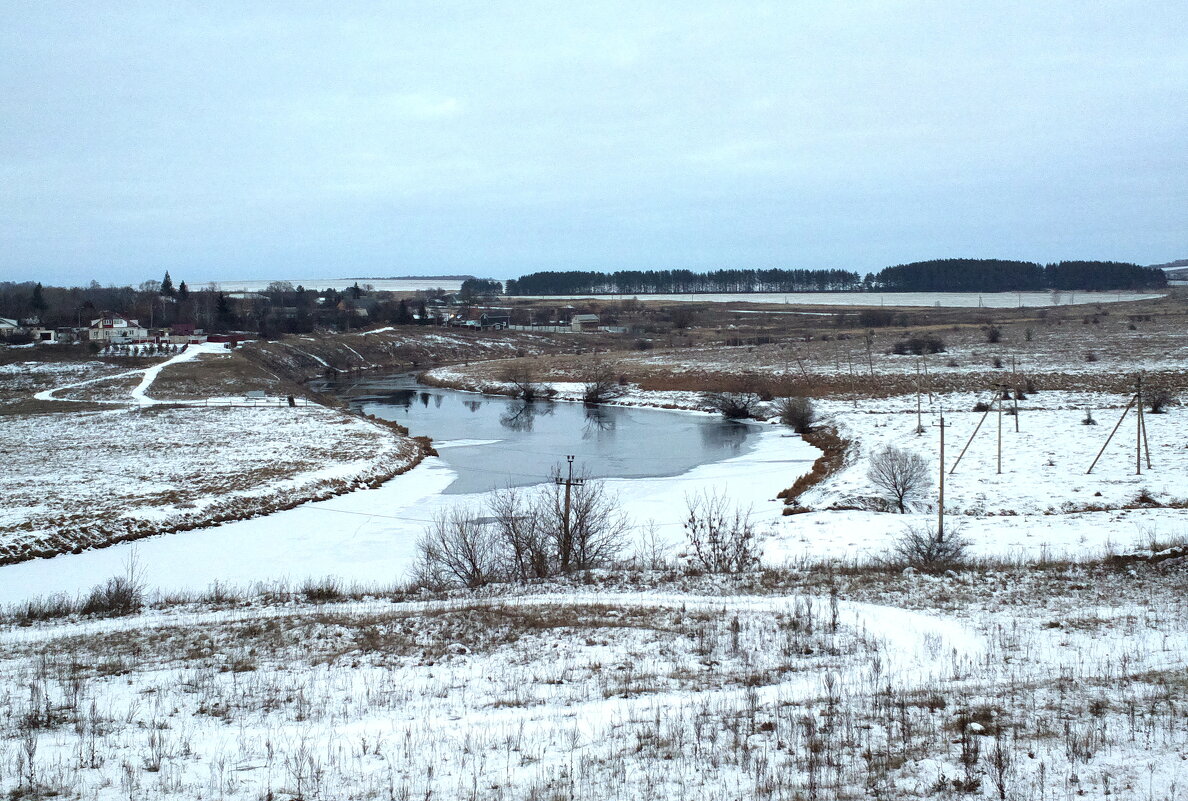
{"x": 148, "y": 465}
{"x": 597, "y": 695}
{"x": 1042, "y": 504}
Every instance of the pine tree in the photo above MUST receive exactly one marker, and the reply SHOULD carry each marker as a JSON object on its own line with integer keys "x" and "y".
{"x": 167, "y": 285}
{"x": 38, "y": 301}
{"x": 183, "y": 292}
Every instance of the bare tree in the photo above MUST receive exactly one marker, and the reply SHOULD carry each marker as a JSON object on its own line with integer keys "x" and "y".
{"x": 601, "y": 384}
{"x": 525, "y": 535}
{"x": 522, "y": 531}
{"x": 722, "y": 536}
{"x": 597, "y": 529}
{"x": 798, "y": 413}
{"x": 458, "y": 548}
{"x": 902, "y": 475}
{"x": 525, "y": 381}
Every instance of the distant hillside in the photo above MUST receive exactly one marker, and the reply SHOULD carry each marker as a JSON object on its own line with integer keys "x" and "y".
{"x": 1171, "y": 265}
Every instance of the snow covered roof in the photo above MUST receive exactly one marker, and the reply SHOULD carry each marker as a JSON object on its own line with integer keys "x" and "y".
{"x": 7, "y": 323}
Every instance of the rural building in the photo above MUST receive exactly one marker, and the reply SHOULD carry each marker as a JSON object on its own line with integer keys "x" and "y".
{"x": 583, "y": 322}
{"x": 111, "y": 328}
{"x": 9, "y": 327}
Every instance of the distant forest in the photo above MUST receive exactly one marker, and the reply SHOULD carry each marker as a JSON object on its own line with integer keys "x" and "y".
{"x": 939, "y": 275}
{"x": 680, "y": 282}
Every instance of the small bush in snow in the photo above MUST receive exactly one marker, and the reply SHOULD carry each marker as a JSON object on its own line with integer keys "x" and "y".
{"x": 921, "y": 547}
{"x": 119, "y": 595}
{"x": 1158, "y": 399}
{"x": 722, "y": 536}
{"x": 797, "y": 413}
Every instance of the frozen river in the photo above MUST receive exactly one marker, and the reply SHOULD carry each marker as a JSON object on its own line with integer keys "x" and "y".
{"x": 653, "y": 459}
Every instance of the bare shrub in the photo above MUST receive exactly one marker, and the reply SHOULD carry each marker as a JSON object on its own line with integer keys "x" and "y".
{"x": 602, "y": 384}
{"x": 993, "y": 334}
{"x": 523, "y": 534}
{"x": 525, "y": 382}
{"x": 722, "y": 536}
{"x": 901, "y": 475}
{"x": 458, "y": 549}
{"x": 798, "y": 413}
{"x": 322, "y": 590}
{"x": 1158, "y": 399}
{"x": 1088, "y": 419}
{"x": 923, "y": 548}
{"x": 119, "y": 595}
{"x": 918, "y": 344}
{"x": 737, "y": 405}
{"x": 529, "y": 552}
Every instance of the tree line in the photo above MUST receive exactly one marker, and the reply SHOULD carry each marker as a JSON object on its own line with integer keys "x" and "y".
{"x": 937, "y": 275}
{"x": 681, "y": 282}
{"x": 996, "y": 275}
{"x": 281, "y": 308}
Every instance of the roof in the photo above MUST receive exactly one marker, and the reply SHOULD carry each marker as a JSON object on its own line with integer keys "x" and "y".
{"x": 7, "y": 323}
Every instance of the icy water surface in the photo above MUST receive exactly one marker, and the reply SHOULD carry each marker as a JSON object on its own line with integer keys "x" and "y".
{"x": 494, "y": 442}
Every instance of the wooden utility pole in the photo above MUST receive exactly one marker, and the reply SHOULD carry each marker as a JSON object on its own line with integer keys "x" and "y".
{"x": 1138, "y": 432}
{"x": 569, "y": 482}
{"x": 1140, "y": 435}
{"x": 940, "y": 505}
{"x": 999, "y": 393}
{"x": 977, "y": 428}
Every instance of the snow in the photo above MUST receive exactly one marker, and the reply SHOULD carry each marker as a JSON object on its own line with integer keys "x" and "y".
{"x": 190, "y": 353}
{"x": 1041, "y": 505}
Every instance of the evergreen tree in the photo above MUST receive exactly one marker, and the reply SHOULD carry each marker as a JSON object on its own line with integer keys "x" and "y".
{"x": 183, "y": 292}
{"x": 38, "y": 301}
{"x": 167, "y": 286}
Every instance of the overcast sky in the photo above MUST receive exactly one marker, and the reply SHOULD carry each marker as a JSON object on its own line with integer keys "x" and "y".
{"x": 245, "y": 140}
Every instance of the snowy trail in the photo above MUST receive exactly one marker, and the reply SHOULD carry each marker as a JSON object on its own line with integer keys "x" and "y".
{"x": 189, "y": 354}
{"x": 913, "y": 648}
{"x": 48, "y": 394}
{"x": 149, "y": 375}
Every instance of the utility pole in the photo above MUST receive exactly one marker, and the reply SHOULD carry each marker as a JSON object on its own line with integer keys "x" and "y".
{"x": 919, "y": 419}
{"x": 940, "y": 506}
{"x": 566, "y": 541}
{"x": 1140, "y": 434}
{"x": 1000, "y": 391}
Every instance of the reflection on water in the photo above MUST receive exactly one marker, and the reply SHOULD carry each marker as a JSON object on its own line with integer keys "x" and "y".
{"x": 521, "y": 415}
{"x": 525, "y": 440}
{"x": 599, "y": 422}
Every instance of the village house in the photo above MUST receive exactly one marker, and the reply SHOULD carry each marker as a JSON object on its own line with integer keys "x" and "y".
{"x": 113, "y": 329}
{"x": 10, "y": 327}
{"x": 580, "y": 323}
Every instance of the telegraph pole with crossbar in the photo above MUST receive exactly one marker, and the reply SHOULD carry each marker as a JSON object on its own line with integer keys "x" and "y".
{"x": 569, "y": 482}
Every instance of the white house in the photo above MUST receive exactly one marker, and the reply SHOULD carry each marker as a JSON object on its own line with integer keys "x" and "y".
{"x": 9, "y": 327}
{"x": 111, "y": 328}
